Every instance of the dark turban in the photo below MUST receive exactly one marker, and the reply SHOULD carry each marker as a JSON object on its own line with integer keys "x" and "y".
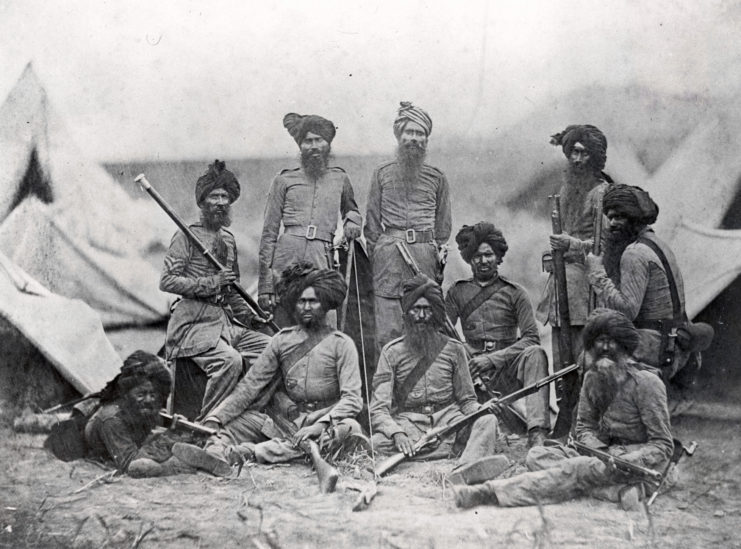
{"x": 329, "y": 286}
{"x": 611, "y": 323}
{"x": 217, "y": 177}
{"x": 298, "y": 126}
{"x": 469, "y": 238}
{"x": 410, "y": 113}
{"x": 632, "y": 202}
{"x": 137, "y": 369}
{"x": 423, "y": 286}
{"x": 589, "y": 136}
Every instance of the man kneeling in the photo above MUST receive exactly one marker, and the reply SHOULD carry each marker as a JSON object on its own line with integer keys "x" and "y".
{"x": 422, "y": 381}
{"x": 622, "y": 410}
{"x": 315, "y": 365}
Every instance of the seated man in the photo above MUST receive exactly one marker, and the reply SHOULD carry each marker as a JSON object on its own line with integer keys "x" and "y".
{"x": 315, "y": 365}
{"x": 422, "y": 381}
{"x": 210, "y": 324}
{"x": 121, "y": 428}
{"x": 622, "y": 410}
{"x": 492, "y": 310}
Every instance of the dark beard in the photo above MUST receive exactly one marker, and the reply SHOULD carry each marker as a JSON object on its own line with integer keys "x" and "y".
{"x": 615, "y": 243}
{"x": 600, "y": 384}
{"x": 577, "y": 185}
{"x": 214, "y": 218}
{"x": 314, "y": 165}
{"x": 422, "y": 337}
{"x": 314, "y": 324}
{"x": 410, "y": 157}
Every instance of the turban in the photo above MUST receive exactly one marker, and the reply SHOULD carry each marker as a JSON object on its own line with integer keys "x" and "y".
{"x": 298, "y": 126}
{"x": 410, "y": 113}
{"x": 139, "y": 368}
{"x": 611, "y": 323}
{"x": 217, "y": 177}
{"x": 589, "y": 136}
{"x": 632, "y": 202}
{"x": 329, "y": 286}
{"x": 422, "y": 286}
{"x": 469, "y": 238}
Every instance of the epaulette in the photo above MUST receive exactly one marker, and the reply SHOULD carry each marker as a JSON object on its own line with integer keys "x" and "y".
{"x": 385, "y": 165}
{"x": 509, "y": 282}
{"x": 227, "y": 231}
{"x": 434, "y": 169}
{"x": 289, "y": 170}
{"x": 336, "y": 169}
{"x": 462, "y": 280}
{"x": 394, "y": 342}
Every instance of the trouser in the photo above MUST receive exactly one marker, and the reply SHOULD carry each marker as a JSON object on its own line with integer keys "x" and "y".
{"x": 223, "y": 364}
{"x": 389, "y": 324}
{"x": 526, "y": 368}
{"x": 557, "y": 473}
{"x": 271, "y": 438}
{"x": 476, "y": 442}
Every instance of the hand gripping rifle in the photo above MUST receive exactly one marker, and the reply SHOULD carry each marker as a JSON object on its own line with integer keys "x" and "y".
{"x": 147, "y": 186}
{"x": 643, "y": 473}
{"x": 489, "y": 407}
{"x": 565, "y": 389}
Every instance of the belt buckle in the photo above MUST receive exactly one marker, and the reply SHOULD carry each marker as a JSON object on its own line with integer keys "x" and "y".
{"x": 411, "y": 236}
{"x": 311, "y": 232}
{"x": 310, "y": 406}
{"x": 428, "y": 410}
{"x": 490, "y": 346}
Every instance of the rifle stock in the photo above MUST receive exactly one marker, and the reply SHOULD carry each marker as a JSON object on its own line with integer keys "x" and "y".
{"x": 487, "y": 408}
{"x": 176, "y": 420}
{"x": 623, "y": 465}
{"x": 147, "y": 186}
{"x": 326, "y": 474}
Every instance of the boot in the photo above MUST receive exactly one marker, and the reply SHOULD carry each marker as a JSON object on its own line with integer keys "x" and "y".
{"x": 536, "y": 436}
{"x": 201, "y": 459}
{"x": 481, "y": 470}
{"x": 471, "y": 496}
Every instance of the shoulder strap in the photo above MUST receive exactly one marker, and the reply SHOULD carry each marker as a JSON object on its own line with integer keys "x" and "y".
{"x": 303, "y": 349}
{"x": 676, "y": 304}
{"x": 401, "y": 392}
{"x": 480, "y": 298}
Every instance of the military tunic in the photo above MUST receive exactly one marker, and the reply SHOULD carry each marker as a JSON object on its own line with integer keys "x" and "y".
{"x": 491, "y": 330}
{"x": 418, "y": 215}
{"x": 308, "y": 210}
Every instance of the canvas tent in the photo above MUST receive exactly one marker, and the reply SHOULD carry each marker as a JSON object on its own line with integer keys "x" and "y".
{"x": 50, "y": 342}
{"x": 66, "y": 222}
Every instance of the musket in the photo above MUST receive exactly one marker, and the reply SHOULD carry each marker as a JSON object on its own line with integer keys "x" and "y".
{"x": 488, "y": 407}
{"x": 596, "y": 243}
{"x": 679, "y": 451}
{"x": 565, "y": 395}
{"x": 326, "y": 474}
{"x": 176, "y": 420}
{"x": 623, "y": 465}
{"x": 70, "y": 403}
{"x": 147, "y": 186}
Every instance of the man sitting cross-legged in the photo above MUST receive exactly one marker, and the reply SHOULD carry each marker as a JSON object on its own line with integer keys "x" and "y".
{"x": 318, "y": 367}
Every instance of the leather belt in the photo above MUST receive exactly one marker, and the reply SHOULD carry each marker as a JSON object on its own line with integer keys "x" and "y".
{"x": 314, "y": 405}
{"x": 483, "y": 345}
{"x": 310, "y": 232}
{"x": 412, "y": 236}
{"x": 427, "y": 409}
{"x": 660, "y": 325}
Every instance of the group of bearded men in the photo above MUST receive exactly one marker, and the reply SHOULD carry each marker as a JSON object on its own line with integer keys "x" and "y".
{"x": 265, "y": 395}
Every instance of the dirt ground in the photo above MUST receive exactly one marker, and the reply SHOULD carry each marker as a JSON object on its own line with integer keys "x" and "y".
{"x": 48, "y": 503}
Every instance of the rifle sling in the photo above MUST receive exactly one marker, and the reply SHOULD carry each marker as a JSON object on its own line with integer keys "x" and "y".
{"x": 401, "y": 392}
{"x": 679, "y": 315}
{"x": 486, "y": 293}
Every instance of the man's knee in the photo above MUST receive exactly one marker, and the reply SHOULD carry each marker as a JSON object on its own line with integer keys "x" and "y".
{"x": 536, "y": 360}
{"x": 485, "y": 425}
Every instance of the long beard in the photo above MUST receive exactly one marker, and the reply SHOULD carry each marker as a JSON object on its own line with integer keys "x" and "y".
{"x": 577, "y": 185}
{"x": 214, "y": 218}
{"x": 615, "y": 244}
{"x": 313, "y": 324}
{"x": 411, "y": 157}
{"x": 315, "y": 165}
{"x": 421, "y": 336}
{"x": 601, "y": 385}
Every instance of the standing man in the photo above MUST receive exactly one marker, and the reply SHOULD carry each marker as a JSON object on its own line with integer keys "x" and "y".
{"x": 211, "y": 323}
{"x": 409, "y": 202}
{"x": 492, "y": 311}
{"x": 422, "y": 382}
{"x": 622, "y": 410}
{"x": 638, "y": 276}
{"x": 306, "y": 201}
{"x": 318, "y": 377}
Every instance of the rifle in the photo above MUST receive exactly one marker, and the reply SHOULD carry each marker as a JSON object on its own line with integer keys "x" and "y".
{"x": 679, "y": 451}
{"x": 565, "y": 392}
{"x": 596, "y": 243}
{"x": 644, "y": 473}
{"x": 176, "y": 420}
{"x": 488, "y": 407}
{"x": 326, "y": 474}
{"x": 70, "y": 403}
{"x": 147, "y": 186}
{"x": 511, "y": 416}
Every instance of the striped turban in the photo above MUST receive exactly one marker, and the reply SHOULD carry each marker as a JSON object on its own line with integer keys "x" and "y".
{"x": 469, "y": 238}
{"x": 613, "y": 324}
{"x": 423, "y": 286}
{"x": 590, "y": 136}
{"x": 299, "y": 125}
{"x": 329, "y": 286}
{"x": 217, "y": 177}
{"x": 410, "y": 113}
{"x": 632, "y": 202}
